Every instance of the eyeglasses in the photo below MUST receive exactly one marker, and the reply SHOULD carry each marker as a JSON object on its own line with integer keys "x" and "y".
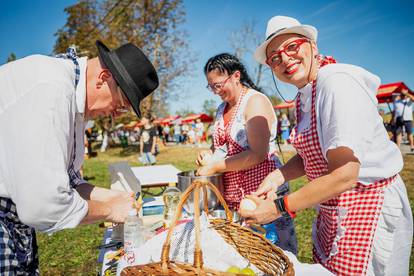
{"x": 218, "y": 85}
{"x": 290, "y": 49}
{"x": 125, "y": 106}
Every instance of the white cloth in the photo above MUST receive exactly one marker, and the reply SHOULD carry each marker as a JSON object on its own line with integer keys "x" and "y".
{"x": 407, "y": 111}
{"x": 347, "y": 115}
{"x": 38, "y": 107}
{"x": 217, "y": 253}
{"x": 393, "y": 238}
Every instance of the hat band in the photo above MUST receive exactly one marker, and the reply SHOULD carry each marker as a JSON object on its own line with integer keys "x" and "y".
{"x": 125, "y": 74}
{"x": 274, "y": 33}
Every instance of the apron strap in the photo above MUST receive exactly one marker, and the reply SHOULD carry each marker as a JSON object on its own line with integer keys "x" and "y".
{"x": 74, "y": 176}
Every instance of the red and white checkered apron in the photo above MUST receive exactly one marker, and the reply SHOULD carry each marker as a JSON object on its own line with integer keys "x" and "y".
{"x": 238, "y": 184}
{"x": 345, "y": 225}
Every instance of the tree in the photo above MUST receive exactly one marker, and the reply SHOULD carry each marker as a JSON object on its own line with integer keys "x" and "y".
{"x": 11, "y": 57}
{"x": 185, "y": 112}
{"x": 244, "y": 41}
{"x": 243, "y": 46}
{"x": 152, "y": 25}
{"x": 80, "y": 29}
{"x": 209, "y": 107}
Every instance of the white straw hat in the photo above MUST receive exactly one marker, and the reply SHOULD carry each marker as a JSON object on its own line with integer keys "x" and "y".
{"x": 279, "y": 25}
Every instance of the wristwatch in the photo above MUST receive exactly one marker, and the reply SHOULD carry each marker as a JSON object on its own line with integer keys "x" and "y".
{"x": 282, "y": 206}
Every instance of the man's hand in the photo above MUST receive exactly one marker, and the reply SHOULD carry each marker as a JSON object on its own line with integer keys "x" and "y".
{"x": 264, "y": 213}
{"x": 120, "y": 205}
{"x": 203, "y": 157}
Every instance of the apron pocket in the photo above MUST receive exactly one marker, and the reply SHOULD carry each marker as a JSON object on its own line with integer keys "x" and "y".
{"x": 383, "y": 244}
{"x": 327, "y": 231}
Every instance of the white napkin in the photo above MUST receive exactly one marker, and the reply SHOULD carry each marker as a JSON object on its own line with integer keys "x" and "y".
{"x": 217, "y": 253}
{"x": 307, "y": 269}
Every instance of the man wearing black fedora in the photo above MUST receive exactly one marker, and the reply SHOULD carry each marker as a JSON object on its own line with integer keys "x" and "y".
{"x": 45, "y": 103}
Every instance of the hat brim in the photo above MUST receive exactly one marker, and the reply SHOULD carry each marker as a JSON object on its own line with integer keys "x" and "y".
{"x": 305, "y": 30}
{"x": 121, "y": 76}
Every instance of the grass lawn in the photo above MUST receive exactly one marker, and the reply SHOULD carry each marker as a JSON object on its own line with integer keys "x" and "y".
{"x": 73, "y": 251}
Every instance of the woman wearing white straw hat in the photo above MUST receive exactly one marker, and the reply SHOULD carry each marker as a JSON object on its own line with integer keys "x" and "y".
{"x": 364, "y": 223}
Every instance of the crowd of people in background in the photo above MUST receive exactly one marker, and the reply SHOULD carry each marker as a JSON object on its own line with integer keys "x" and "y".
{"x": 402, "y": 118}
{"x": 148, "y": 137}
{"x": 196, "y": 133}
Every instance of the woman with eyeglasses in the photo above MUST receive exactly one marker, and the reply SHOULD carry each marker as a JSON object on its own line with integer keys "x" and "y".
{"x": 364, "y": 222}
{"x": 243, "y": 139}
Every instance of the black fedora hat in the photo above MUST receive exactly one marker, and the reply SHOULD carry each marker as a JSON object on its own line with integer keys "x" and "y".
{"x": 132, "y": 70}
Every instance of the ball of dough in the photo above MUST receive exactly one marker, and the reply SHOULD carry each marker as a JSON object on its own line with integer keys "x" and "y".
{"x": 248, "y": 204}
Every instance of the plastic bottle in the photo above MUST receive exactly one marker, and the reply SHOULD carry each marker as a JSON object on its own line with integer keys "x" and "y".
{"x": 271, "y": 233}
{"x": 171, "y": 197}
{"x": 133, "y": 235}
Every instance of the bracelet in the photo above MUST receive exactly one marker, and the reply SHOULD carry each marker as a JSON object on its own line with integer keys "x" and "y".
{"x": 291, "y": 213}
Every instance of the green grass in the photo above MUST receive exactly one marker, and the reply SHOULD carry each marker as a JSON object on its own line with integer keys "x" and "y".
{"x": 73, "y": 251}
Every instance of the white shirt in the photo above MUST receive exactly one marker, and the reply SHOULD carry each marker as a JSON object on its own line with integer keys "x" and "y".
{"x": 347, "y": 115}
{"x": 38, "y": 106}
{"x": 177, "y": 130}
{"x": 191, "y": 134}
{"x": 199, "y": 128}
{"x": 404, "y": 108}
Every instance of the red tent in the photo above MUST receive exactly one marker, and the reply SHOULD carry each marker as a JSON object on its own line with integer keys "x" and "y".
{"x": 284, "y": 105}
{"x": 169, "y": 119}
{"x": 384, "y": 94}
{"x": 202, "y": 116}
{"x": 158, "y": 121}
{"x": 131, "y": 125}
{"x": 385, "y": 91}
{"x": 138, "y": 125}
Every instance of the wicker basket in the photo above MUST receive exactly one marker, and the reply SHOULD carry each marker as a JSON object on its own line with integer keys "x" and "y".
{"x": 254, "y": 247}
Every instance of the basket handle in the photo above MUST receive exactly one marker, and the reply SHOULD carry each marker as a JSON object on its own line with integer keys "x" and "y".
{"x": 196, "y": 185}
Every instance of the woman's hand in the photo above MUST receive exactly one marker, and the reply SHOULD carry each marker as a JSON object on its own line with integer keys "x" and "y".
{"x": 204, "y": 157}
{"x": 207, "y": 170}
{"x": 264, "y": 213}
{"x": 269, "y": 185}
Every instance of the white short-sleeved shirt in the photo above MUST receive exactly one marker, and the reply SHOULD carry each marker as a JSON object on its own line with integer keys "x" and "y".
{"x": 404, "y": 108}
{"x": 347, "y": 115}
{"x": 38, "y": 110}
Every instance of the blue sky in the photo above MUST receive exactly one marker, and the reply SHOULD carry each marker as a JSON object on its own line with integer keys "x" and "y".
{"x": 377, "y": 35}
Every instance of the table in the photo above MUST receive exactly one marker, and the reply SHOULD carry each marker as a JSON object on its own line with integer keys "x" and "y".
{"x": 108, "y": 267}
{"x": 155, "y": 176}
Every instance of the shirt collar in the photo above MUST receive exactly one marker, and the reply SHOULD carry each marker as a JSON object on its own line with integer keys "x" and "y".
{"x": 80, "y": 94}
